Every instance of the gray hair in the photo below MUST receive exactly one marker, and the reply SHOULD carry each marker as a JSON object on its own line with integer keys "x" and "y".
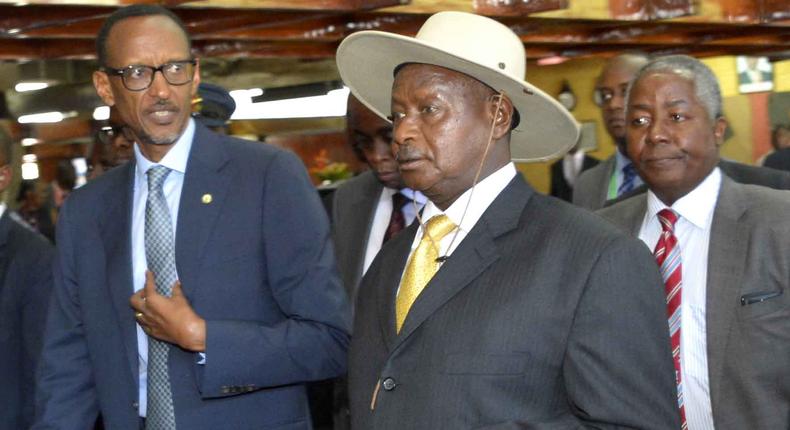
{"x": 706, "y": 86}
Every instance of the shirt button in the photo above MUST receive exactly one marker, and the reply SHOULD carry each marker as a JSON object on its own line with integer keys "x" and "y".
{"x": 389, "y": 384}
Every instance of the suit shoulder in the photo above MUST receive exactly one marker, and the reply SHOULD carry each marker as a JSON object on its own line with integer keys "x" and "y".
{"x": 623, "y": 212}
{"x": 567, "y": 220}
{"x": 765, "y": 205}
{"x": 357, "y": 184}
{"x": 26, "y": 242}
{"x": 600, "y": 169}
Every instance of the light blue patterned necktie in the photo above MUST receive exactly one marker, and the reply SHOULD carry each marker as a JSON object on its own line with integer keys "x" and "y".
{"x": 160, "y": 255}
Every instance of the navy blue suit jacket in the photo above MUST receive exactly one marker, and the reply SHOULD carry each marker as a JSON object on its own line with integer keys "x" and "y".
{"x": 25, "y": 285}
{"x": 256, "y": 262}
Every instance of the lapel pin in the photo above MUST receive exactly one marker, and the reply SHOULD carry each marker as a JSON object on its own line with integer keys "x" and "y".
{"x": 206, "y": 199}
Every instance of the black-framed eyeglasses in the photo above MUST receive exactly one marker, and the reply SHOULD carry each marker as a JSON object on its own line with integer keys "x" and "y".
{"x": 139, "y": 77}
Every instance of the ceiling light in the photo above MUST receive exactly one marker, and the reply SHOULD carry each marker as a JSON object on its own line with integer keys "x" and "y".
{"x": 30, "y": 86}
{"x": 29, "y": 167}
{"x": 101, "y": 113}
{"x": 45, "y": 117}
{"x": 331, "y": 104}
{"x": 29, "y": 141}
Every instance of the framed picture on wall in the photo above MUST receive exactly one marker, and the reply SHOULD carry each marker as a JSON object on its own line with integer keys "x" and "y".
{"x": 755, "y": 74}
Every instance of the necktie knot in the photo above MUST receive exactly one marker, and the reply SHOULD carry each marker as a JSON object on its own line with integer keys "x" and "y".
{"x": 667, "y": 218}
{"x": 399, "y": 201}
{"x": 438, "y": 227}
{"x": 156, "y": 177}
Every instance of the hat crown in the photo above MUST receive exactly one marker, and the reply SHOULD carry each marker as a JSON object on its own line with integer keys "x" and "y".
{"x": 476, "y": 39}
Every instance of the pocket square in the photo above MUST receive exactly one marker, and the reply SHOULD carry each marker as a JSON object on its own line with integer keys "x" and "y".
{"x": 752, "y": 298}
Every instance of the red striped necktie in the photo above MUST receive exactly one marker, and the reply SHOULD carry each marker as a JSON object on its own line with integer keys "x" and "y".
{"x": 667, "y": 255}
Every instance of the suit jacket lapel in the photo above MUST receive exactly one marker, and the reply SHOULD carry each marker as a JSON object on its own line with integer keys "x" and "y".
{"x": 475, "y": 253}
{"x": 115, "y": 229}
{"x": 204, "y": 191}
{"x": 397, "y": 254}
{"x": 364, "y": 203}
{"x": 726, "y": 260}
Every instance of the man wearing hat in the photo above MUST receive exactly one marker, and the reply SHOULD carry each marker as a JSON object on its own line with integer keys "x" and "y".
{"x": 468, "y": 319}
{"x": 213, "y": 107}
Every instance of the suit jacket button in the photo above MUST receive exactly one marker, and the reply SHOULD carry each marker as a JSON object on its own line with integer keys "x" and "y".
{"x": 225, "y": 390}
{"x": 389, "y": 384}
{"x": 135, "y": 405}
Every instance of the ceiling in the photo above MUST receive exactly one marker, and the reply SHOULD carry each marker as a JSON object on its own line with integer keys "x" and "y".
{"x": 271, "y": 43}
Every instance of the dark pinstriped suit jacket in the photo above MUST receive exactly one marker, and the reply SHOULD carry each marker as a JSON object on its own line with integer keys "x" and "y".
{"x": 535, "y": 321}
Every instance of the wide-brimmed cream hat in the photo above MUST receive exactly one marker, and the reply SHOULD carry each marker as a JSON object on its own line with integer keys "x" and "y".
{"x": 471, "y": 44}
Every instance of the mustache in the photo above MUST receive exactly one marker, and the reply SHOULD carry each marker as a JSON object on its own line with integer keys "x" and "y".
{"x": 162, "y": 104}
{"x": 407, "y": 153}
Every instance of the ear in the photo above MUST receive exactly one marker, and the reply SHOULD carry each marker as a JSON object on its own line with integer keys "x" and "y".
{"x": 6, "y": 175}
{"x": 196, "y": 78}
{"x": 501, "y": 113}
{"x": 102, "y": 84}
{"x": 719, "y": 128}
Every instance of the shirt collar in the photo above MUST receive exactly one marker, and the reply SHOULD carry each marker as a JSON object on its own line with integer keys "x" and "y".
{"x": 484, "y": 194}
{"x": 697, "y": 206}
{"x": 2, "y": 209}
{"x": 414, "y": 195}
{"x": 176, "y": 158}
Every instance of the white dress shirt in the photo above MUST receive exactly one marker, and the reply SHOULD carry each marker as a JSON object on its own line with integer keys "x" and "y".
{"x": 692, "y": 230}
{"x": 176, "y": 160}
{"x": 481, "y": 195}
{"x": 381, "y": 219}
{"x": 572, "y": 165}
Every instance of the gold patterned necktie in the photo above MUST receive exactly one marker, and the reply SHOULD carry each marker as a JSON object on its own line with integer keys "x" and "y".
{"x": 422, "y": 266}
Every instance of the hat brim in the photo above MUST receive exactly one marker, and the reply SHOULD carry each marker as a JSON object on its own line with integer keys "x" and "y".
{"x": 367, "y": 61}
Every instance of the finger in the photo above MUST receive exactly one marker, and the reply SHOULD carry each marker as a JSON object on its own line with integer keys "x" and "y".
{"x": 177, "y": 289}
{"x": 137, "y": 300}
{"x": 150, "y": 284}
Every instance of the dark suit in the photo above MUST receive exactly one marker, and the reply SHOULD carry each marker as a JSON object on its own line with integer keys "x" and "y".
{"x": 560, "y": 188}
{"x": 533, "y": 322}
{"x": 592, "y": 186}
{"x": 256, "y": 262}
{"x": 25, "y": 285}
{"x": 354, "y": 205}
{"x": 779, "y": 160}
{"x": 748, "y": 343}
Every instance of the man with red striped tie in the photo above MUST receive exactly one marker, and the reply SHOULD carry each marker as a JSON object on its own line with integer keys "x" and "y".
{"x": 723, "y": 249}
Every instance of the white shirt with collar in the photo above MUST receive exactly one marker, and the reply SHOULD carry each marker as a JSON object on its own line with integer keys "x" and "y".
{"x": 482, "y": 195}
{"x": 176, "y": 160}
{"x": 692, "y": 230}
{"x": 572, "y": 165}
{"x": 381, "y": 219}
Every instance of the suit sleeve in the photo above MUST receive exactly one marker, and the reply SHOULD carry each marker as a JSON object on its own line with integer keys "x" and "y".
{"x": 618, "y": 365}
{"x": 37, "y": 289}
{"x": 65, "y": 392}
{"x": 310, "y": 343}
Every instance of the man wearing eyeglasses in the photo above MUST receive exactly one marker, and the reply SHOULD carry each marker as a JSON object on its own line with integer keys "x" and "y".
{"x": 195, "y": 287}
{"x": 615, "y": 175}
{"x": 111, "y": 147}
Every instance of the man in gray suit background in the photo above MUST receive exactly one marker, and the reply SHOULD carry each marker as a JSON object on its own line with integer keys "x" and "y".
{"x": 468, "y": 320}
{"x": 615, "y": 175}
{"x": 731, "y": 249}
